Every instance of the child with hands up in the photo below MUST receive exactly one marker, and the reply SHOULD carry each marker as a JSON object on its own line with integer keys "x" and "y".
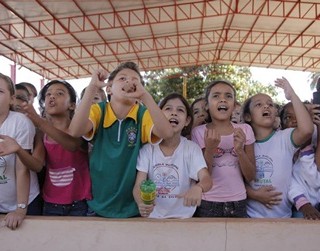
{"x": 118, "y": 129}
{"x": 176, "y": 166}
{"x": 229, "y": 154}
{"x": 304, "y": 190}
{"x": 274, "y": 150}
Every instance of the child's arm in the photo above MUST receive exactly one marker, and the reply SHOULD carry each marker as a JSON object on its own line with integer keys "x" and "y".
{"x": 267, "y": 195}
{"x": 145, "y": 210}
{"x": 67, "y": 141}
{"x": 212, "y": 140}
{"x": 309, "y": 171}
{"x": 315, "y": 114}
{"x": 14, "y": 219}
{"x": 245, "y": 155}
{"x": 193, "y": 196}
{"x": 34, "y": 161}
{"x": 162, "y": 127}
{"x": 317, "y": 154}
{"x": 80, "y": 124}
{"x": 304, "y": 129}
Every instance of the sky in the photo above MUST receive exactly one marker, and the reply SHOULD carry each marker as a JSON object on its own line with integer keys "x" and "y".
{"x": 299, "y": 80}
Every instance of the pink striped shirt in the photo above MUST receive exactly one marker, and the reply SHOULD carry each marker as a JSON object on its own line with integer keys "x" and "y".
{"x": 67, "y": 174}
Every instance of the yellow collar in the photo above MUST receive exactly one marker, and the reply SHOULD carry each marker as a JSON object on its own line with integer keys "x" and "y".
{"x": 110, "y": 117}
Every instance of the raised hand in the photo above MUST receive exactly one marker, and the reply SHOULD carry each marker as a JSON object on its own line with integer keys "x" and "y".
{"x": 211, "y": 138}
{"x": 285, "y": 85}
{"x": 134, "y": 90}
{"x": 314, "y": 110}
{"x": 239, "y": 140}
{"x": 98, "y": 78}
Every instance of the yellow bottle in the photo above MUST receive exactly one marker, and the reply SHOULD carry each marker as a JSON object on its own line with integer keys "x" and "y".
{"x": 148, "y": 191}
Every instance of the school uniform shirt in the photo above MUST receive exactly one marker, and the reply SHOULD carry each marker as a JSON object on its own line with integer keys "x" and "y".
{"x": 305, "y": 183}
{"x": 274, "y": 168}
{"x": 116, "y": 145}
{"x": 19, "y": 127}
{"x": 173, "y": 176}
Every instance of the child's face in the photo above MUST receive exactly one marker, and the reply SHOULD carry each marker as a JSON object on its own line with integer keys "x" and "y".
{"x": 21, "y": 97}
{"x": 200, "y": 113}
{"x": 236, "y": 114}
{"x": 99, "y": 97}
{"x": 176, "y": 112}
{"x": 126, "y": 80}
{"x": 6, "y": 99}
{"x": 289, "y": 118}
{"x": 57, "y": 100}
{"x": 263, "y": 111}
{"x": 221, "y": 102}
{"x": 30, "y": 96}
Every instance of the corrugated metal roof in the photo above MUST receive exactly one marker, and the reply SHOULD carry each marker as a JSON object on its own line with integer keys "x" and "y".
{"x": 70, "y": 39}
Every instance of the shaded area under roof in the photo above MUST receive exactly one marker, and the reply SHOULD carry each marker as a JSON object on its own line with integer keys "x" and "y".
{"x": 70, "y": 39}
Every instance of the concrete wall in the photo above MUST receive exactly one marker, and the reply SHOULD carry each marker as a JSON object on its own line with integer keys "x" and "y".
{"x": 92, "y": 234}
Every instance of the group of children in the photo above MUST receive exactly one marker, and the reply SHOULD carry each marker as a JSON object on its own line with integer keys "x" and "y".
{"x": 204, "y": 159}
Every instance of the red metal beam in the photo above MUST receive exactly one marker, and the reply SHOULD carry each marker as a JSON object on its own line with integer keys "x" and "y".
{"x": 153, "y": 37}
{"x": 60, "y": 23}
{"x": 25, "y": 21}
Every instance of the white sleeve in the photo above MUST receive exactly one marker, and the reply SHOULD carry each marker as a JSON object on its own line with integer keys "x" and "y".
{"x": 195, "y": 159}
{"x": 296, "y": 188}
{"x": 309, "y": 171}
{"x": 144, "y": 158}
{"x": 24, "y": 132}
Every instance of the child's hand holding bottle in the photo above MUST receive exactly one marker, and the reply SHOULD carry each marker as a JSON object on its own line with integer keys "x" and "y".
{"x": 147, "y": 195}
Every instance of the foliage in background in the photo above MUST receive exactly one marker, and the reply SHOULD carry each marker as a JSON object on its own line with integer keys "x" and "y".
{"x": 314, "y": 79}
{"x": 163, "y": 82}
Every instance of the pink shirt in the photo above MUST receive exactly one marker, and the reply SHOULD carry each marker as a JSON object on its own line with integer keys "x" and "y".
{"x": 228, "y": 184}
{"x": 67, "y": 175}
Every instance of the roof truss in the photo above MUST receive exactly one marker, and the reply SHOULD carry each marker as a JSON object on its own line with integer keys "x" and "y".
{"x": 70, "y": 39}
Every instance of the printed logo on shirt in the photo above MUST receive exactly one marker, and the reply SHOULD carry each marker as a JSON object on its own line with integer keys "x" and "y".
{"x": 61, "y": 177}
{"x": 220, "y": 151}
{"x": 3, "y": 167}
{"x": 264, "y": 172}
{"x": 166, "y": 177}
{"x": 132, "y": 135}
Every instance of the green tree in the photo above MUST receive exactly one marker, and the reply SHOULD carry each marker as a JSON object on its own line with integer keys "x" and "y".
{"x": 163, "y": 82}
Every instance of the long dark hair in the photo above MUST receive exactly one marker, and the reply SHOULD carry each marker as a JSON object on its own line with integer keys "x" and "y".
{"x": 43, "y": 92}
{"x": 187, "y": 129}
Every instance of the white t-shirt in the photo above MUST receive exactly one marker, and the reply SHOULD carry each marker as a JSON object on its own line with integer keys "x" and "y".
{"x": 306, "y": 177}
{"x": 19, "y": 127}
{"x": 173, "y": 175}
{"x": 274, "y": 167}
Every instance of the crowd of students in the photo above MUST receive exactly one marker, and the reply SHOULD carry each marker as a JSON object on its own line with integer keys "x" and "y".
{"x": 215, "y": 158}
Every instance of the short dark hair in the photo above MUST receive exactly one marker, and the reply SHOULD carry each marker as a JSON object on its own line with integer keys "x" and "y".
{"x": 126, "y": 65}
{"x": 32, "y": 87}
{"x": 23, "y": 88}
